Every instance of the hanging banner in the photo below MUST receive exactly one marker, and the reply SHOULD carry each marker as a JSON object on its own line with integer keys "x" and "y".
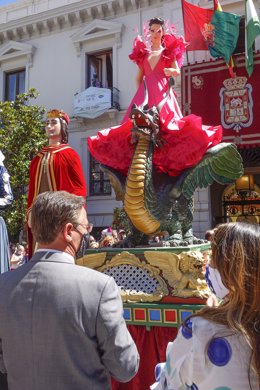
{"x": 208, "y": 91}
{"x": 92, "y": 102}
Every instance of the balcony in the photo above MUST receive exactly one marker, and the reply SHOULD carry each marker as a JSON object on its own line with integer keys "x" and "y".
{"x": 93, "y": 102}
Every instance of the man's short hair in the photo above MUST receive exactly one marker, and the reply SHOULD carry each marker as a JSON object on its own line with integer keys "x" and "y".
{"x": 51, "y": 211}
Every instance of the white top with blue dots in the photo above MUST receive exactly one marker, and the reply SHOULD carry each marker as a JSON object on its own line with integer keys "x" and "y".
{"x": 206, "y": 356}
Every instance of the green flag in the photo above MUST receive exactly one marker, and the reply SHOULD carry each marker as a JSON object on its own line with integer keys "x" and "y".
{"x": 225, "y": 32}
{"x": 252, "y": 30}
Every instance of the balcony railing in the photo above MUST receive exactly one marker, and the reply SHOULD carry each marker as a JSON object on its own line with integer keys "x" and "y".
{"x": 93, "y": 102}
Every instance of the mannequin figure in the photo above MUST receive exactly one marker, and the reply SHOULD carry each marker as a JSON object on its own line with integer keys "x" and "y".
{"x": 183, "y": 140}
{"x": 57, "y": 166}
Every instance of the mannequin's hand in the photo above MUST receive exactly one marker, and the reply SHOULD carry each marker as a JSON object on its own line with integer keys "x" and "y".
{"x": 171, "y": 72}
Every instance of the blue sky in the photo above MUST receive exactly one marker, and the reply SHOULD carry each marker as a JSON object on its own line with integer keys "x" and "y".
{"x": 4, "y": 2}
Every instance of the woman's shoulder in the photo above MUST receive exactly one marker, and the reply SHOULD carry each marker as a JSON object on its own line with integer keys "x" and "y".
{"x": 204, "y": 329}
{"x": 174, "y": 47}
{"x": 139, "y": 51}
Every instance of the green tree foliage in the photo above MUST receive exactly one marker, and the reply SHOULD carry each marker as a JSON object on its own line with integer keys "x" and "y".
{"x": 21, "y": 136}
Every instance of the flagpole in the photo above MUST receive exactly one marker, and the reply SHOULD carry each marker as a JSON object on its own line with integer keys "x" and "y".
{"x": 246, "y": 50}
{"x": 187, "y": 57}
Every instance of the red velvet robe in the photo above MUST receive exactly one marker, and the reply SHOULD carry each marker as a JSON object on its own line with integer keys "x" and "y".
{"x": 64, "y": 172}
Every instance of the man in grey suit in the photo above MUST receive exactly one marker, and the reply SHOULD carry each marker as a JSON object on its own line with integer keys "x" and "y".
{"x": 61, "y": 325}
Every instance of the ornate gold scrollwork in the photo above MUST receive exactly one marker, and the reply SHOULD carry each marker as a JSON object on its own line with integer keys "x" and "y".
{"x": 179, "y": 275}
{"x": 93, "y": 260}
{"x": 183, "y": 272}
{"x": 132, "y": 295}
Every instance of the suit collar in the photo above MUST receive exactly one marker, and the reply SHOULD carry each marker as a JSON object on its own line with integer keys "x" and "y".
{"x": 52, "y": 255}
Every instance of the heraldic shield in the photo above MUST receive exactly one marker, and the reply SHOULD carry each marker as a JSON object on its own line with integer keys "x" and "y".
{"x": 236, "y": 103}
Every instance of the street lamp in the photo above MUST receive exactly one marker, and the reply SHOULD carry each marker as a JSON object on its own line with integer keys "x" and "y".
{"x": 244, "y": 185}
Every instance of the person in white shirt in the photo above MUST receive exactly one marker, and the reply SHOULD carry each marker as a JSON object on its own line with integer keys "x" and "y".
{"x": 218, "y": 348}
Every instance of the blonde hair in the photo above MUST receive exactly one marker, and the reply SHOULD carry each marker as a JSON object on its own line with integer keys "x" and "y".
{"x": 236, "y": 255}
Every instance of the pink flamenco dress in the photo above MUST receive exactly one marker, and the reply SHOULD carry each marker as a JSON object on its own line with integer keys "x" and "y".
{"x": 184, "y": 139}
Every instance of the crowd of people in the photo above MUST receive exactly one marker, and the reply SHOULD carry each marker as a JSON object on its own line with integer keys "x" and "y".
{"x": 109, "y": 237}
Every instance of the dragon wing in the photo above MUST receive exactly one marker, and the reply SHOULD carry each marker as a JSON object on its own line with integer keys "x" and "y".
{"x": 222, "y": 163}
{"x": 167, "y": 262}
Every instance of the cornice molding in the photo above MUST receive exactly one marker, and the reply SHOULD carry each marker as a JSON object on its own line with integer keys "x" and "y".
{"x": 67, "y": 17}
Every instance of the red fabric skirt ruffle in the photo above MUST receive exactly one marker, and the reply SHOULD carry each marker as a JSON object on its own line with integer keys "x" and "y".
{"x": 184, "y": 142}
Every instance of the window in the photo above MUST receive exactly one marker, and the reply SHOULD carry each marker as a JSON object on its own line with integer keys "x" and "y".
{"x": 100, "y": 41}
{"x": 100, "y": 74}
{"x": 14, "y": 84}
{"x": 99, "y": 181}
{"x": 99, "y": 69}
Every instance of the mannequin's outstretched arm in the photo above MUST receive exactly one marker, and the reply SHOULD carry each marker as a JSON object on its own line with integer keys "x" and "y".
{"x": 173, "y": 71}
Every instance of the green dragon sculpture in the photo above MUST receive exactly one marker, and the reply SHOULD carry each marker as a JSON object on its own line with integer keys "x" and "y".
{"x": 158, "y": 202}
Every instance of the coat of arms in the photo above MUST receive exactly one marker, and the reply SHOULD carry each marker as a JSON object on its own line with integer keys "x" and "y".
{"x": 236, "y": 104}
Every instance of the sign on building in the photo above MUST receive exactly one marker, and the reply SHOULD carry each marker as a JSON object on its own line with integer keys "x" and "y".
{"x": 92, "y": 102}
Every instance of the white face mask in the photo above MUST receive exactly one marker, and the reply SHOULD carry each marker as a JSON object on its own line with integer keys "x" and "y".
{"x": 214, "y": 281}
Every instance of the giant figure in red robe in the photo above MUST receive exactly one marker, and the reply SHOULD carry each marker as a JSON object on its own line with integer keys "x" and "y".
{"x": 56, "y": 167}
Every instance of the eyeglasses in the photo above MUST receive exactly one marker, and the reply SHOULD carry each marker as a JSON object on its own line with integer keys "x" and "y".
{"x": 88, "y": 227}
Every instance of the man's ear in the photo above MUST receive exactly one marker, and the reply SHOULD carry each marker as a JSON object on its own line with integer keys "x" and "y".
{"x": 67, "y": 231}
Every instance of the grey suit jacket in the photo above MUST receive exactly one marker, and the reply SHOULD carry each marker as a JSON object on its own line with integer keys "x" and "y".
{"x": 61, "y": 327}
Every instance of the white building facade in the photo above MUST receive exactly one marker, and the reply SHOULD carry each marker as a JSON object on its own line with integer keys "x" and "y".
{"x": 56, "y": 46}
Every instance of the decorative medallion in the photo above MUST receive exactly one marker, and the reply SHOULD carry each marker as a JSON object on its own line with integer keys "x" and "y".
{"x": 197, "y": 82}
{"x": 236, "y": 104}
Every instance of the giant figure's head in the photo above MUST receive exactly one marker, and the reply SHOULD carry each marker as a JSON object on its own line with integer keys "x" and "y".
{"x": 157, "y": 29}
{"x": 62, "y": 119}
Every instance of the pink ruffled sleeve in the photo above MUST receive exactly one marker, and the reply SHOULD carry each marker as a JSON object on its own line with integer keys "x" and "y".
{"x": 175, "y": 48}
{"x": 139, "y": 51}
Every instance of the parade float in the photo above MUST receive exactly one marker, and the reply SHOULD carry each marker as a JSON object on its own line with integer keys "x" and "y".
{"x": 164, "y": 283}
